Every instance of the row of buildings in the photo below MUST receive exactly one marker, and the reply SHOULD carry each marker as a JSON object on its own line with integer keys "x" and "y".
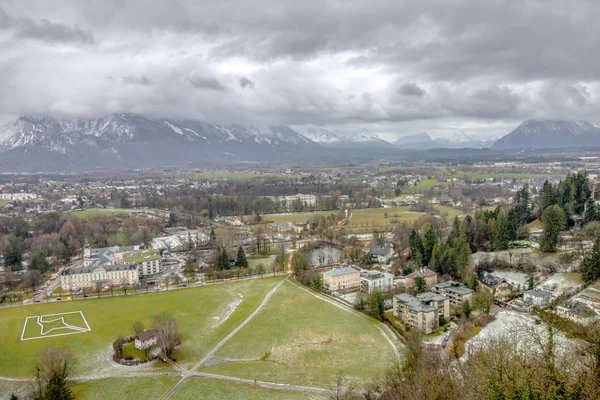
{"x": 111, "y": 266}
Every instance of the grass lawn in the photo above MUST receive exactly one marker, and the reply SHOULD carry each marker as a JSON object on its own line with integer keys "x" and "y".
{"x": 301, "y": 339}
{"x": 254, "y": 262}
{"x": 4, "y": 202}
{"x": 201, "y": 388}
{"x": 295, "y": 217}
{"x": 376, "y": 217}
{"x": 124, "y": 388}
{"x": 499, "y": 175}
{"x": 450, "y": 211}
{"x": 534, "y": 225}
{"x": 197, "y": 311}
{"x": 233, "y": 175}
{"x": 99, "y": 211}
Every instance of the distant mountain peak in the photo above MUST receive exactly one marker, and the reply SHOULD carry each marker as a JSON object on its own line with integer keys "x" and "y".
{"x": 550, "y": 134}
{"x": 339, "y": 138}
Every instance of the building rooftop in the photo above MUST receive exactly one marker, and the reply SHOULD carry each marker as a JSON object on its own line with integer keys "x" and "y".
{"x": 579, "y": 309}
{"x": 384, "y": 250}
{"x": 490, "y": 280}
{"x": 146, "y": 335}
{"x": 429, "y": 296}
{"x": 141, "y": 255}
{"x": 414, "y": 303}
{"x": 92, "y": 268}
{"x": 538, "y": 293}
{"x": 423, "y": 272}
{"x": 340, "y": 271}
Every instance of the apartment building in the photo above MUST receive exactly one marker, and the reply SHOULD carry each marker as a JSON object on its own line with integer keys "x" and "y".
{"x": 457, "y": 292}
{"x": 438, "y": 301}
{"x": 341, "y": 279}
{"x": 415, "y": 313}
{"x": 90, "y": 276}
{"x": 372, "y": 281}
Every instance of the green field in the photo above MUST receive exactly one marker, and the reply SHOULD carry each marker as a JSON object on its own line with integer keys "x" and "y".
{"x": 376, "y": 217}
{"x": 498, "y": 175}
{"x": 254, "y": 262}
{"x": 296, "y": 217}
{"x": 4, "y": 202}
{"x": 450, "y": 211}
{"x": 197, "y": 311}
{"x": 302, "y": 339}
{"x": 99, "y": 211}
{"x": 201, "y": 388}
{"x": 124, "y": 388}
{"x": 232, "y": 175}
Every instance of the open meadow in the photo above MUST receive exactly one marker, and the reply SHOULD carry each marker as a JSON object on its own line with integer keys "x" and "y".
{"x": 203, "y": 314}
{"x": 87, "y": 213}
{"x": 202, "y": 388}
{"x": 302, "y": 339}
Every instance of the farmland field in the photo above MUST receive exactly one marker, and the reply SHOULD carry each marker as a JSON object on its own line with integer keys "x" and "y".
{"x": 99, "y": 211}
{"x": 199, "y": 312}
{"x": 498, "y": 175}
{"x": 296, "y": 217}
{"x": 233, "y": 175}
{"x": 201, "y": 388}
{"x": 301, "y": 339}
{"x": 376, "y": 217}
{"x": 124, "y": 388}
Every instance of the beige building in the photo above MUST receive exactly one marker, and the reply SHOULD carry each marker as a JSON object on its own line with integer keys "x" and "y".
{"x": 430, "y": 277}
{"x": 415, "y": 313}
{"x": 455, "y": 291}
{"x": 438, "y": 301}
{"x": 497, "y": 286}
{"x": 88, "y": 277}
{"x": 576, "y": 312}
{"x": 341, "y": 279}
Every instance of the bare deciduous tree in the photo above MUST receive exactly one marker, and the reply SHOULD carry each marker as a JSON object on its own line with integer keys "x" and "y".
{"x": 167, "y": 333}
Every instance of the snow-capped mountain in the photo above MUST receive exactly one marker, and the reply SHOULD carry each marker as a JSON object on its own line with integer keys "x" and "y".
{"x": 342, "y": 139}
{"x": 551, "y": 134}
{"x": 422, "y": 141}
{"x": 125, "y": 140}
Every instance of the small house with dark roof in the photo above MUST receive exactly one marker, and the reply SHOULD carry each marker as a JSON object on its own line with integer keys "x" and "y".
{"x": 497, "y": 286}
{"x": 146, "y": 339}
{"x": 381, "y": 253}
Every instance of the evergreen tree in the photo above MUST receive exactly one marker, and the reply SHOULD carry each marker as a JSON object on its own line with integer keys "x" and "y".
{"x": 455, "y": 233}
{"x": 511, "y": 225}
{"x": 223, "y": 259}
{"x": 467, "y": 308}
{"x": 522, "y": 209}
{"x": 429, "y": 242}
{"x": 416, "y": 247}
{"x": 548, "y": 196}
{"x": 590, "y": 213}
{"x": 590, "y": 266}
{"x": 13, "y": 255}
{"x": 553, "y": 220}
{"x": 57, "y": 389}
{"x": 241, "y": 260}
{"x": 500, "y": 236}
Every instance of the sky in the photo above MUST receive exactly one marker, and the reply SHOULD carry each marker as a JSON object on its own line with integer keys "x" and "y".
{"x": 445, "y": 67}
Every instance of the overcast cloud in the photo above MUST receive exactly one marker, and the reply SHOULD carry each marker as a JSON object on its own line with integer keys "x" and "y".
{"x": 395, "y": 67}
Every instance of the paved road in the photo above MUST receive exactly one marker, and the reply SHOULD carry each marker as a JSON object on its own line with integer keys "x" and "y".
{"x": 187, "y": 374}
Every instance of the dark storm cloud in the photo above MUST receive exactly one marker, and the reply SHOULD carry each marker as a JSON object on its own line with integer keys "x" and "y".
{"x": 411, "y": 89}
{"x": 470, "y": 62}
{"x": 246, "y": 83}
{"x": 44, "y": 30}
{"x": 209, "y": 83}
{"x": 137, "y": 80}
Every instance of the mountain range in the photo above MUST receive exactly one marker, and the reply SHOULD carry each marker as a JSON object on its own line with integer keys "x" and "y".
{"x": 120, "y": 141}
{"x": 551, "y": 134}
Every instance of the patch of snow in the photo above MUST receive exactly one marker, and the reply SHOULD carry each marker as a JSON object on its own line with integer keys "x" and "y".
{"x": 230, "y": 309}
{"x": 173, "y": 127}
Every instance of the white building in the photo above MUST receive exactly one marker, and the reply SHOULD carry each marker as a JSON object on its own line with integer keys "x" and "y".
{"x": 537, "y": 297}
{"x": 18, "y": 196}
{"x": 372, "y": 281}
{"x": 90, "y": 276}
{"x": 145, "y": 340}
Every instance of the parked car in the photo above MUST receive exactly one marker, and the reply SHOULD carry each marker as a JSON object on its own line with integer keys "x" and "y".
{"x": 58, "y": 298}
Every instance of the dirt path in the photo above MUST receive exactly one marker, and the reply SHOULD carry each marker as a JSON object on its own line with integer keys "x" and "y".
{"x": 187, "y": 373}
